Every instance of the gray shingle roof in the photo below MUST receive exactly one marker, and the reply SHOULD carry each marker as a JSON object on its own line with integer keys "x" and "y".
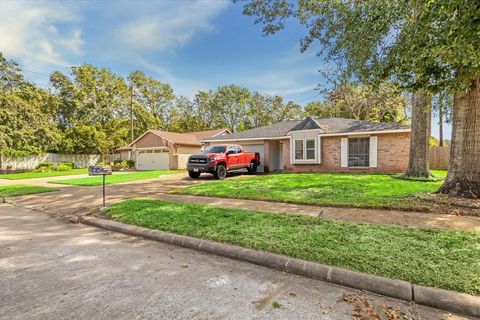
{"x": 275, "y": 130}
{"x": 340, "y": 125}
{"x": 328, "y": 125}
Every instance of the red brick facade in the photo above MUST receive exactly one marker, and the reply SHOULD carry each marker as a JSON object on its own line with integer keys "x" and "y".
{"x": 392, "y": 155}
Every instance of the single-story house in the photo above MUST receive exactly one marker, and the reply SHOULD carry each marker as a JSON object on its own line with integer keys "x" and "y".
{"x": 326, "y": 145}
{"x": 156, "y": 150}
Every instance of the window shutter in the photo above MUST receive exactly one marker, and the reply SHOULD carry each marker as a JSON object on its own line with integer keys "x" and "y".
{"x": 319, "y": 150}
{"x": 373, "y": 152}
{"x": 344, "y": 153}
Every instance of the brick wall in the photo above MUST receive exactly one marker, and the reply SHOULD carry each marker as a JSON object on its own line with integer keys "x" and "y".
{"x": 392, "y": 156}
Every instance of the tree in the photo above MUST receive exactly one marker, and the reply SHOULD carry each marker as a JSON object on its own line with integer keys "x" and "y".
{"x": 91, "y": 104}
{"x": 25, "y": 125}
{"x": 156, "y": 97}
{"x": 385, "y": 103}
{"x": 425, "y": 46}
{"x": 230, "y": 102}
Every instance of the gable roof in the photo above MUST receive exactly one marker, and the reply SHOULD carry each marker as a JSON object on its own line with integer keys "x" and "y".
{"x": 324, "y": 126}
{"x": 187, "y": 138}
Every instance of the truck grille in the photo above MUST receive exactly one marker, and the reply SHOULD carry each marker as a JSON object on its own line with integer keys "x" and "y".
{"x": 199, "y": 160}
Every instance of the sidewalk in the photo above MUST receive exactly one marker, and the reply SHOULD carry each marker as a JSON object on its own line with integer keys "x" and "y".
{"x": 78, "y": 200}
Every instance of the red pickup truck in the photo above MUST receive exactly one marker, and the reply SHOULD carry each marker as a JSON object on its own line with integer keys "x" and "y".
{"x": 220, "y": 159}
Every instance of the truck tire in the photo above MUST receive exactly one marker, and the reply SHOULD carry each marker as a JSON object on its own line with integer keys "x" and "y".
{"x": 193, "y": 175}
{"x": 252, "y": 168}
{"x": 220, "y": 172}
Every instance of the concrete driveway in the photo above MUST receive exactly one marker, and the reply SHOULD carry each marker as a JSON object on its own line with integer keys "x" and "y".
{"x": 52, "y": 269}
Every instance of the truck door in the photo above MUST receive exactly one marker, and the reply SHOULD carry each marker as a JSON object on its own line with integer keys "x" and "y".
{"x": 232, "y": 160}
{"x": 240, "y": 157}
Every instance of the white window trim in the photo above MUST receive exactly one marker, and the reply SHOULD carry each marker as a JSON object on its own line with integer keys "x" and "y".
{"x": 304, "y": 160}
{"x": 373, "y": 152}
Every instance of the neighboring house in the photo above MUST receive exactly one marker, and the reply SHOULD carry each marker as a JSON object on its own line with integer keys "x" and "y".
{"x": 326, "y": 145}
{"x": 156, "y": 150}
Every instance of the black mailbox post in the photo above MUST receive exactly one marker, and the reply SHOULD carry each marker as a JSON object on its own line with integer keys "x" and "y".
{"x": 100, "y": 171}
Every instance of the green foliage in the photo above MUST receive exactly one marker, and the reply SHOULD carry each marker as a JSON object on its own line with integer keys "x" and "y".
{"x": 444, "y": 259}
{"x": 384, "y": 103}
{"x": 131, "y": 164}
{"x": 63, "y": 167}
{"x": 45, "y": 165}
{"x": 429, "y": 45}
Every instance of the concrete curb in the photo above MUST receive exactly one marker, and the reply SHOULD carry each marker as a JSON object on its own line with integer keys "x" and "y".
{"x": 438, "y": 298}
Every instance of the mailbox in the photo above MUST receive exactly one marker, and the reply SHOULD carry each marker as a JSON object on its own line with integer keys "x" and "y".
{"x": 99, "y": 170}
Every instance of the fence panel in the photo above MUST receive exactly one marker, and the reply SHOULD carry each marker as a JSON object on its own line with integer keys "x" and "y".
{"x": 31, "y": 162}
{"x": 439, "y": 158}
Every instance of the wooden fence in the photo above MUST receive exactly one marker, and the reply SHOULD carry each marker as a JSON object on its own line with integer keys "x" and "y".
{"x": 439, "y": 158}
{"x": 31, "y": 162}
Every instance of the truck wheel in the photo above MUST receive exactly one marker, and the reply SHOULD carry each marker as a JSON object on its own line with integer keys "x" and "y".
{"x": 252, "y": 168}
{"x": 220, "y": 172}
{"x": 193, "y": 175}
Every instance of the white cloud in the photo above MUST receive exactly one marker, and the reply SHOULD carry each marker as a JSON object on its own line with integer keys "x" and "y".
{"x": 173, "y": 24}
{"x": 36, "y": 33}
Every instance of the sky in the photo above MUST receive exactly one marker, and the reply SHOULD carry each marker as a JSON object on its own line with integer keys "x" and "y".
{"x": 192, "y": 45}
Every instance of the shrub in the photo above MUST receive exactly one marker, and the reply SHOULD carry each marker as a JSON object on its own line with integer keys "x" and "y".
{"x": 131, "y": 163}
{"x": 63, "y": 167}
{"x": 45, "y": 165}
{"x": 70, "y": 164}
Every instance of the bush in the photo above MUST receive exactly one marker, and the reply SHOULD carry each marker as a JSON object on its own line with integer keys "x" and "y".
{"x": 45, "y": 165}
{"x": 70, "y": 164}
{"x": 63, "y": 167}
{"x": 120, "y": 164}
{"x": 131, "y": 164}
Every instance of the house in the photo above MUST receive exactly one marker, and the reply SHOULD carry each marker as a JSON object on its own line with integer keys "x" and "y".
{"x": 156, "y": 150}
{"x": 326, "y": 145}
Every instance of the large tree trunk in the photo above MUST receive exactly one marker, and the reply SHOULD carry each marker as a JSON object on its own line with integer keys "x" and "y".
{"x": 463, "y": 178}
{"x": 421, "y": 117}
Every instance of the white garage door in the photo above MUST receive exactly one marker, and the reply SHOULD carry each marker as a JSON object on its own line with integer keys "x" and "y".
{"x": 257, "y": 148}
{"x": 153, "y": 159}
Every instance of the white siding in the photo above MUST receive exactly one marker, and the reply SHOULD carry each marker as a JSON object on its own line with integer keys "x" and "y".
{"x": 304, "y": 135}
{"x": 344, "y": 153}
{"x": 373, "y": 151}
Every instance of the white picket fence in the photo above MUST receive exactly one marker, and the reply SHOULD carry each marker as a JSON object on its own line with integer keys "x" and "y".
{"x": 31, "y": 162}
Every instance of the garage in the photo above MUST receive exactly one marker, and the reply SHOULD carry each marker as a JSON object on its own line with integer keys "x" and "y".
{"x": 256, "y": 148}
{"x": 153, "y": 159}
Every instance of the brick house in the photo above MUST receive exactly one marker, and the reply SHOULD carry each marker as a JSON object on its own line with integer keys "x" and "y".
{"x": 326, "y": 145}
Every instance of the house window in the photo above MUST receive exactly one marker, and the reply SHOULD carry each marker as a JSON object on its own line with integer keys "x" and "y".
{"x": 298, "y": 149}
{"x": 310, "y": 147}
{"x": 358, "y": 152}
{"x": 305, "y": 149}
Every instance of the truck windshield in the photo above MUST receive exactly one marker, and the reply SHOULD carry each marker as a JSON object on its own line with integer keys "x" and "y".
{"x": 214, "y": 149}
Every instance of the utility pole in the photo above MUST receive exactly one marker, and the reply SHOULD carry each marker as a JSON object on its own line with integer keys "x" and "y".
{"x": 131, "y": 112}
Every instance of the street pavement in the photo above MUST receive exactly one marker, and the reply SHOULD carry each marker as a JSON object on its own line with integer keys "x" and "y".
{"x": 51, "y": 269}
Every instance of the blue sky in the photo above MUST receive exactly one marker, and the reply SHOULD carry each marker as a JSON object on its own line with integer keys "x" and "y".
{"x": 193, "y": 45}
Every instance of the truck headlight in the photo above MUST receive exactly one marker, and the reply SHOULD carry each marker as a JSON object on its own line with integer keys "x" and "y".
{"x": 211, "y": 159}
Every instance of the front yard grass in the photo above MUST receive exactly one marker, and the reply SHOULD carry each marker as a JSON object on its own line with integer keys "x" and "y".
{"x": 22, "y": 190}
{"x": 327, "y": 189}
{"x": 33, "y": 175}
{"x": 116, "y": 178}
{"x": 444, "y": 259}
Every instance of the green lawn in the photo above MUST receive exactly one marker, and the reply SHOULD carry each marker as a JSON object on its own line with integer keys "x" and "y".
{"x": 21, "y": 190}
{"x": 329, "y": 189}
{"x": 116, "y": 178}
{"x": 445, "y": 259}
{"x": 32, "y": 175}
